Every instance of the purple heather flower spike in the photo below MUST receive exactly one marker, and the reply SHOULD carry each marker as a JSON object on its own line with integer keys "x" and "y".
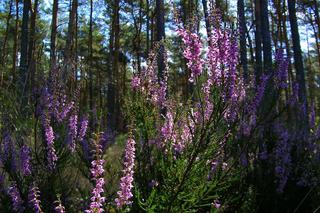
{"x": 25, "y": 160}
{"x": 83, "y": 128}
{"x": 97, "y": 172}
{"x": 167, "y": 129}
{"x": 17, "y": 203}
{"x": 192, "y": 52}
{"x": 9, "y": 152}
{"x": 65, "y": 110}
{"x": 282, "y": 157}
{"x": 73, "y": 121}
{"x": 33, "y": 198}
{"x": 51, "y": 152}
{"x": 125, "y": 193}
{"x": 135, "y": 82}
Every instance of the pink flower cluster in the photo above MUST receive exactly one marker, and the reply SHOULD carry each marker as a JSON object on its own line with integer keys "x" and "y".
{"x": 177, "y": 133}
{"x": 17, "y": 202}
{"x": 51, "y": 152}
{"x": 73, "y": 122}
{"x": 97, "y": 172}
{"x": 148, "y": 84}
{"x": 83, "y": 128}
{"x": 33, "y": 198}
{"x": 192, "y": 52}
{"x": 125, "y": 193}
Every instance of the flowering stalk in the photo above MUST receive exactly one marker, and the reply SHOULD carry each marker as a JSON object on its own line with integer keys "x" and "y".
{"x": 73, "y": 121}
{"x": 83, "y": 128}
{"x": 97, "y": 172}
{"x": 66, "y": 108}
{"x": 25, "y": 160}
{"x": 282, "y": 157}
{"x": 59, "y": 207}
{"x": 150, "y": 84}
{"x": 17, "y": 203}
{"x": 33, "y": 198}
{"x": 192, "y": 52}
{"x": 125, "y": 193}
{"x": 51, "y": 152}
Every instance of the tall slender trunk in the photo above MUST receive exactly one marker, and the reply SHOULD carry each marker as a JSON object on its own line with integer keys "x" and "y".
{"x": 287, "y": 45}
{"x": 53, "y": 38}
{"x": 68, "y": 53}
{"x": 243, "y": 43}
{"x": 298, "y": 61}
{"x": 258, "y": 41}
{"x": 160, "y": 36}
{"x": 23, "y": 75}
{"x": 116, "y": 67}
{"x": 113, "y": 70}
{"x": 266, "y": 38}
{"x": 15, "y": 43}
{"x": 90, "y": 59}
{"x": 31, "y": 48}
{"x": 147, "y": 28}
{"x": 4, "y": 45}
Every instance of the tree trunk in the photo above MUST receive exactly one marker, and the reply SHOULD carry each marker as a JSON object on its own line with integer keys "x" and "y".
{"x": 113, "y": 58}
{"x": 31, "y": 48}
{"x": 266, "y": 37}
{"x": 4, "y": 45}
{"x": 23, "y": 76}
{"x": 243, "y": 43}
{"x": 147, "y": 28}
{"x": 116, "y": 67}
{"x": 68, "y": 53}
{"x": 258, "y": 40}
{"x": 15, "y": 43}
{"x": 54, "y": 24}
{"x": 298, "y": 62}
{"x": 160, "y": 36}
{"x": 90, "y": 59}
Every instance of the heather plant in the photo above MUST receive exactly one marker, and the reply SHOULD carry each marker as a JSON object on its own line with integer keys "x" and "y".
{"x": 181, "y": 152}
{"x": 219, "y": 149}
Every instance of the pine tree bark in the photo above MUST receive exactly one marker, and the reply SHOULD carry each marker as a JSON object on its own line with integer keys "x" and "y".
{"x": 31, "y": 49}
{"x": 4, "y": 45}
{"x": 90, "y": 58}
{"x": 116, "y": 68}
{"x": 258, "y": 42}
{"x": 243, "y": 43}
{"x": 53, "y": 38}
{"x": 160, "y": 36}
{"x": 298, "y": 61}
{"x": 23, "y": 75}
{"x": 112, "y": 98}
{"x": 68, "y": 53}
{"x": 266, "y": 37}
{"x": 147, "y": 28}
{"x": 15, "y": 43}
